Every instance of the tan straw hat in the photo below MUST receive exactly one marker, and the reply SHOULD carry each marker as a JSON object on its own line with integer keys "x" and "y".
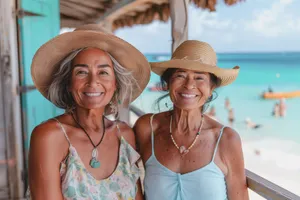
{"x": 198, "y": 56}
{"x": 44, "y": 64}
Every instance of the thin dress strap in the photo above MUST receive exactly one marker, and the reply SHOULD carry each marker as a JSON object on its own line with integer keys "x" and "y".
{"x": 63, "y": 129}
{"x": 216, "y": 148}
{"x": 118, "y": 127}
{"x": 152, "y": 134}
{"x": 119, "y": 131}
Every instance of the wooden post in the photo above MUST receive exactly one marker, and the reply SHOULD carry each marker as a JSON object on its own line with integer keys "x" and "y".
{"x": 179, "y": 18}
{"x": 10, "y": 110}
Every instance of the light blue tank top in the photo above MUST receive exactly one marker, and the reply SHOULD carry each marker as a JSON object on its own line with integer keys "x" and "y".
{"x": 206, "y": 183}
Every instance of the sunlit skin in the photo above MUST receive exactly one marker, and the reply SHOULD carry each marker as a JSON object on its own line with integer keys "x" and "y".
{"x": 92, "y": 86}
{"x": 93, "y": 81}
{"x": 189, "y": 91}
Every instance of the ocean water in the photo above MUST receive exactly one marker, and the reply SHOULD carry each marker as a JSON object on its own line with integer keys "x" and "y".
{"x": 258, "y": 71}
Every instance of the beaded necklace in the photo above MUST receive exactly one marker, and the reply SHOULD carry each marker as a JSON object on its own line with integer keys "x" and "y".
{"x": 182, "y": 149}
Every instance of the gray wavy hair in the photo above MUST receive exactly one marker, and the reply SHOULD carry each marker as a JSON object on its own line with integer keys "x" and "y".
{"x": 60, "y": 96}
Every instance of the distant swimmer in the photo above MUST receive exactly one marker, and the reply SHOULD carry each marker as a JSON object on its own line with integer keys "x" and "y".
{"x": 270, "y": 89}
{"x": 227, "y": 103}
{"x": 251, "y": 124}
{"x": 231, "y": 117}
{"x": 282, "y": 107}
{"x": 276, "y": 109}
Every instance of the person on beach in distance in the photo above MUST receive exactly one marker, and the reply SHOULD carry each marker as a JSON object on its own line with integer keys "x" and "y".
{"x": 270, "y": 89}
{"x": 231, "y": 117}
{"x": 276, "y": 111}
{"x": 188, "y": 155}
{"x": 251, "y": 124}
{"x": 227, "y": 103}
{"x": 282, "y": 107}
{"x": 82, "y": 154}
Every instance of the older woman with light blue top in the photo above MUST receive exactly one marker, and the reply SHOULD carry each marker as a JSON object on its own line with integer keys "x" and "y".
{"x": 188, "y": 155}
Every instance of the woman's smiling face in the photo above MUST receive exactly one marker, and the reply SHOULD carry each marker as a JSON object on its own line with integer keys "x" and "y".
{"x": 189, "y": 89}
{"x": 93, "y": 81}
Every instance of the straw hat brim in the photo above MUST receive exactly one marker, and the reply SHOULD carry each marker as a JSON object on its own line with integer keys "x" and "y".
{"x": 44, "y": 64}
{"x": 226, "y": 76}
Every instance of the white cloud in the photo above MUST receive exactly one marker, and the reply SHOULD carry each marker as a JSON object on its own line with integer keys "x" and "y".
{"x": 154, "y": 28}
{"x": 274, "y": 21}
{"x": 201, "y": 20}
{"x": 241, "y": 28}
{"x": 211, "y": 27}
{"x": 154, "y": 37}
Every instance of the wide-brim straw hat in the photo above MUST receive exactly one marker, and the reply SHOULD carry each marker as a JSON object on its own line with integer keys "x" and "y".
{"x": 44, "y": 64}
{"x": 198, "y": 56}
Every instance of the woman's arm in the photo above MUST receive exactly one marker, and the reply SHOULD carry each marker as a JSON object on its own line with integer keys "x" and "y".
{"x": 142, "y": 131}
{"x": 232, "y": 154}
{"x": 47, "y": 150}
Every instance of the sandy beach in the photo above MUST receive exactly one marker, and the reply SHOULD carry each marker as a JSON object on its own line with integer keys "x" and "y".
{"x": 283, "y": 170}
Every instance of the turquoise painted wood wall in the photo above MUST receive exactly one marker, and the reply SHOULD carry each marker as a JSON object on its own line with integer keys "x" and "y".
{"x": 35, "y": 31}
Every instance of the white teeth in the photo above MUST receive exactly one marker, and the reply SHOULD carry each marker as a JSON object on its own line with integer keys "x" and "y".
{"x": 92, "y": 94}
{"x": 188, "y": 95}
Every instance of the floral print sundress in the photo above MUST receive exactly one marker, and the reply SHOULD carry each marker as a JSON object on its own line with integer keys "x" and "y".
{"x": 78, "y": 184}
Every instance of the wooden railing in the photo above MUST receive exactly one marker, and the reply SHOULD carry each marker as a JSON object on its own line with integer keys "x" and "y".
{"x": 256, "y": 183}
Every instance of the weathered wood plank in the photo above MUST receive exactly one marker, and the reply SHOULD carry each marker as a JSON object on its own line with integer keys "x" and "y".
{"x": 125, "y": 6}
{"x": 79, "y": 8}
{"x": 88, "y": 3}
{"x": 268, "y": 189}
{"x": 115, "y": 8}
{"x": 65, "y": 10}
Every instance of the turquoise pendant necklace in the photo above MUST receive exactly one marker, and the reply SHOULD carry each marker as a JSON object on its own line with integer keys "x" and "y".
{"x": 94, "y": 162}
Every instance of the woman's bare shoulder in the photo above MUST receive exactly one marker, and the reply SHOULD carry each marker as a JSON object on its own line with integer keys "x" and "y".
{"x": 230, "y": 137}
{"x": 231, "y": 144}
{"x": 143, "y": 126}
{"x": 47, "y": 129}
{"x": 48, "y": 142}
{"x": 143, "y": 120}
{"x": 49, "y": 132}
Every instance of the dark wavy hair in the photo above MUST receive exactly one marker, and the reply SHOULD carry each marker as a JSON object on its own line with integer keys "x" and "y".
{"x": 164, "y": 86}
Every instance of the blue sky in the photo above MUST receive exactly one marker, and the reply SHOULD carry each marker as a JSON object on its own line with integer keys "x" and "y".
{"x": 249, "y": 26}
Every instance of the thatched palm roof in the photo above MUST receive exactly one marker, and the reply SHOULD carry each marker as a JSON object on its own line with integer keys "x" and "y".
{"x": 120, "y": 13}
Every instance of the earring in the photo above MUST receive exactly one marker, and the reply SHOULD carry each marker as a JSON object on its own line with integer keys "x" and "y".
{"x": 113, "y": 107}
{"x": 70, "y": 108}
{"x": 206, "y": 108}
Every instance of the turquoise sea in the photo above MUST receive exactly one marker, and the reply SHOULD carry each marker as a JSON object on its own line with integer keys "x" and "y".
{"x": 258, "y": 71}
